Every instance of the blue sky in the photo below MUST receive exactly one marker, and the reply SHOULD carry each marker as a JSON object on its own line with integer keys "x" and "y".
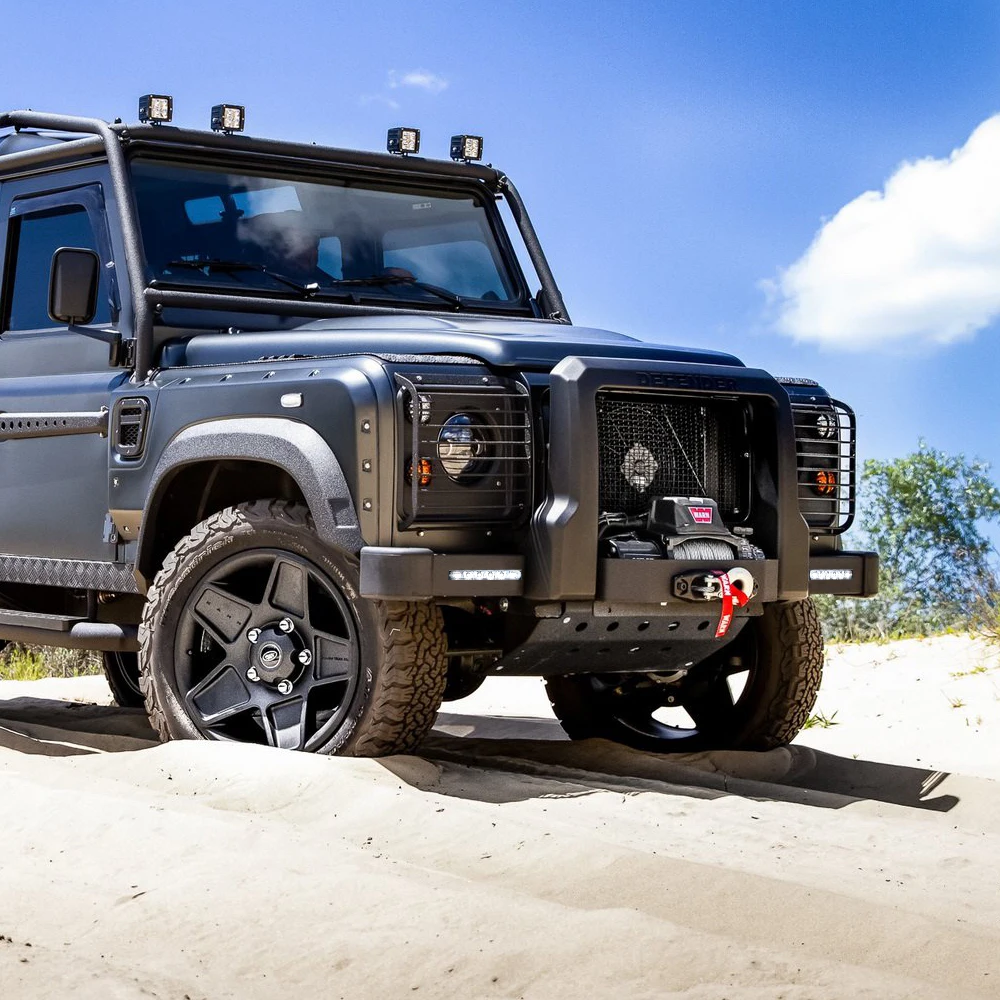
{"x": 676, "y": 157}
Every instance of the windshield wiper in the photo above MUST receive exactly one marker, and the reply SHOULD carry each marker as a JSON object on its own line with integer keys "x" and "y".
{"x": 388, "y": 280}
{"x": 234, "y": 266}
{"x": 314, "y": 287}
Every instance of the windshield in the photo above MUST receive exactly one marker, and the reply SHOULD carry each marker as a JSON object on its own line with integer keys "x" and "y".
{"x": 349, "y": 239}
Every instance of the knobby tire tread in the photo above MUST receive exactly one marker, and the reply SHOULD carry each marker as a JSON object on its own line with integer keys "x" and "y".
{"x": 413, "y": 671}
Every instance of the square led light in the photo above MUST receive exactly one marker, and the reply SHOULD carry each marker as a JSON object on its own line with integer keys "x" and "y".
{"x": 155, "y": 108}
{"x": 228, "y": 118}
{"x": 403, "y": 140}
{"x": 467, "y": 147}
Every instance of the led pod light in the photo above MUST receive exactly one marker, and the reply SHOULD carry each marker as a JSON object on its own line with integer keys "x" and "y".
{"x": 156, "y": 108}
{"x": 228, "y": 118}
{"x": 467, "y": 147}
{"x": 403, "y": 140}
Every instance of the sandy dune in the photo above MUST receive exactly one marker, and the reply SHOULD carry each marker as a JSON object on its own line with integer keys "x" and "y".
{"x": 506, "y": 861}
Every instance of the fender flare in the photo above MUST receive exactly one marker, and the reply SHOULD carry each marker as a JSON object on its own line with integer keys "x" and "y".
{"x": 295, "y": 447}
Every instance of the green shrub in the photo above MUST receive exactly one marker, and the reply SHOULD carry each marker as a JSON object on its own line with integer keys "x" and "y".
{"x": 32, "y": 663}
{"x": 923, "y": 514}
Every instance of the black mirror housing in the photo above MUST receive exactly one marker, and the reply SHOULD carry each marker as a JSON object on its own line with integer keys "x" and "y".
{"x": 73, "y": 282}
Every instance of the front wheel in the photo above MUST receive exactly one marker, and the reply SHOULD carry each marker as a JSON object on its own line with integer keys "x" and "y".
{"x": 254, "y": 632}
{"x": 754, "y": 694}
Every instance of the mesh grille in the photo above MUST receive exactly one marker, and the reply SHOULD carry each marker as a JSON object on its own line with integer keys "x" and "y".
{"x": 650, "y": 446}
{"x": 129, "y": 435}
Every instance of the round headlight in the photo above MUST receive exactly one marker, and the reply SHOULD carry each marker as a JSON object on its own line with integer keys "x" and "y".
{"x": 461, "y": 446}
{"x": 420, "y": 404}
{"x": 826, "y": 425}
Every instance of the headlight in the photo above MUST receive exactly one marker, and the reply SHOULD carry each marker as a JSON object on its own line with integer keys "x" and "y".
{"x": 462, "y": 447}
{"x": 826, "y": 424}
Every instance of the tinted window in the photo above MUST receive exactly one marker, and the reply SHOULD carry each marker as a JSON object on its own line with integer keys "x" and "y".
{"x": 359, "y": 239}
{"x": 451, "y": 257}
{"x": 36, "y": 238}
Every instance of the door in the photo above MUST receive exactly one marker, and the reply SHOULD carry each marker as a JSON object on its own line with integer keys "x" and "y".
{"x": 53, "y": 491}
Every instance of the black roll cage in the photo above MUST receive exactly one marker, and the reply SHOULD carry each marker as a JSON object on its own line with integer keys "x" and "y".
{"x": 146, "y": 300}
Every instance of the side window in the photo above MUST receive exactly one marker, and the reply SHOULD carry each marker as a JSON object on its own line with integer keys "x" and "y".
{"x": 34, "y": 239}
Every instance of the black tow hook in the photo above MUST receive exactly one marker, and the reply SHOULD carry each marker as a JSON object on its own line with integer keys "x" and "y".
{"x": 707, "y": 585}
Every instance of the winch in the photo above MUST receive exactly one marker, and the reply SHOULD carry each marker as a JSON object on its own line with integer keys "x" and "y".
{"x": 679, "y": 528}
{"x": 691, "y": 529}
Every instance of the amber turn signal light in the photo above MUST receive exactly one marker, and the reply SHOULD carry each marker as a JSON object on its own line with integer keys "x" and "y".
{"x": 423, "y": 470}
{"x": 826, "y": 482}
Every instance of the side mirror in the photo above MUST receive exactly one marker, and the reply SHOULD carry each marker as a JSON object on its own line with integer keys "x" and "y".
{"x": 73, "y": 283}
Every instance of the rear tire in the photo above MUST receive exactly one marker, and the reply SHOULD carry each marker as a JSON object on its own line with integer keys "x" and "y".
{"x": 781, "y": 654}
{"x": 122, "y": 673}
{"x": 254, "y": 631}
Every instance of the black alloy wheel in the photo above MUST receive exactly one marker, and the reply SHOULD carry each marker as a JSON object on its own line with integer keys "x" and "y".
{"x": 266, "y": 651}
{"x": 755, "y": 693}
{"x": 121, "y": 670}
{"x": 254, "y": 632}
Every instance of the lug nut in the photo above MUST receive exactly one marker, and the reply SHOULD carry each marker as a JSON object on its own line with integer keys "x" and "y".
{"x": 254, "y": 634}
{"x": 305, "y": 657}
{"x": 252, "y": 675}
{"x": 286, "y": 625}
{"x": 285, "y": 687}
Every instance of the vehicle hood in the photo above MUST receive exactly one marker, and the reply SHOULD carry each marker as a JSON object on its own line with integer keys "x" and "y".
{"x": 503, "y": 343}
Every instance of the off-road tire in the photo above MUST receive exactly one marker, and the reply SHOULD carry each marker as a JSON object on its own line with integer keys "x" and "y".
{"x": 403, "y": 663}
{"x": 787, "y": 645}
{"x": 792, "y": 649}
{"x": 121, "y": 670}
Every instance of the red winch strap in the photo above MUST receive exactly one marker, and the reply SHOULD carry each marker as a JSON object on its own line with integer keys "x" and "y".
{"x": 730, "y": 596}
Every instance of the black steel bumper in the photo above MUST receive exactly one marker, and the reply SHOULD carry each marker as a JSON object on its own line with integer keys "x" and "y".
{"x": 846, "y": 574}
{"x": 420, "y": 574}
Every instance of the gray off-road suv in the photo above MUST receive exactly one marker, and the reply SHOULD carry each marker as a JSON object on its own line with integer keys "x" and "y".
{"x": 304, "y": 441}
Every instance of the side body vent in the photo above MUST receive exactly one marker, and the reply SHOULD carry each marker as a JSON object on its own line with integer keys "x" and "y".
{"x": 825, "y": 444}
{"x": 128, "y": 426}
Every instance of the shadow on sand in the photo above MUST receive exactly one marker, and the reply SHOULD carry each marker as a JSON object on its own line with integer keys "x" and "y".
{"x": 536, "y": 756}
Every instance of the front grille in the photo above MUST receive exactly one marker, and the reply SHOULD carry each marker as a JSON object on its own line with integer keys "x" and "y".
{"x": 650, "y": 446}
{"x": 825, "y": 448}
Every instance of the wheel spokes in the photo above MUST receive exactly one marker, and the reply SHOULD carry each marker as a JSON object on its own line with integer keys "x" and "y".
{"x": 221, "y": 695}
{"x": 285, "y": 723}
{"x": 334, "y": 657}
{"x": 222, "y": 614}
{"x": 288, "y": 589}
{"x": 251, "y": 664}
{"x": 709, "y": 702}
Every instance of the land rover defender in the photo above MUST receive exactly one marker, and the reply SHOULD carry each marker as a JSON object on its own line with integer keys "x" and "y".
{"x": 303, "y": 440}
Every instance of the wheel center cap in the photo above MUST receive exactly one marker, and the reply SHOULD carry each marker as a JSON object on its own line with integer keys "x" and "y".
{"x": 274, "y": 657}
{"x": 270, "y": 655}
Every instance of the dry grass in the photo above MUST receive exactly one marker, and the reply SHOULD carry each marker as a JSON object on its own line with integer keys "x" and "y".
{"x": 32, "y": 663}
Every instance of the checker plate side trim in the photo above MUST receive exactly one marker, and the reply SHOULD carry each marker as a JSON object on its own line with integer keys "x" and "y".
{"x": 81, "y": 573}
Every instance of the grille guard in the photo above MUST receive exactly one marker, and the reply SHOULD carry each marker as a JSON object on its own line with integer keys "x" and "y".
{"x": 564, "y": 528}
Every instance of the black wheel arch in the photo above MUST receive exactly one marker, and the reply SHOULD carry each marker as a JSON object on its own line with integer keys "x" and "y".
{"x": 209, "y": 466}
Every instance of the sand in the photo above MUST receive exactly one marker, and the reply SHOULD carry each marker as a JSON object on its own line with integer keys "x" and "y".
{"x": 505, "y": 861}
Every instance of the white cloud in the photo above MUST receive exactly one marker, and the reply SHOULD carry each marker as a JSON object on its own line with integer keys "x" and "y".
{"x": 421, "y": 79}
{"x": 367, "y": 99}
{"x": 917, "y": 263}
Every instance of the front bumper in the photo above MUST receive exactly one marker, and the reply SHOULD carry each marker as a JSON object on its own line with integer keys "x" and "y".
{"x": 405, "y": 574}
{"x": 845, "y": 574}
{"x": 402, "y": 574}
